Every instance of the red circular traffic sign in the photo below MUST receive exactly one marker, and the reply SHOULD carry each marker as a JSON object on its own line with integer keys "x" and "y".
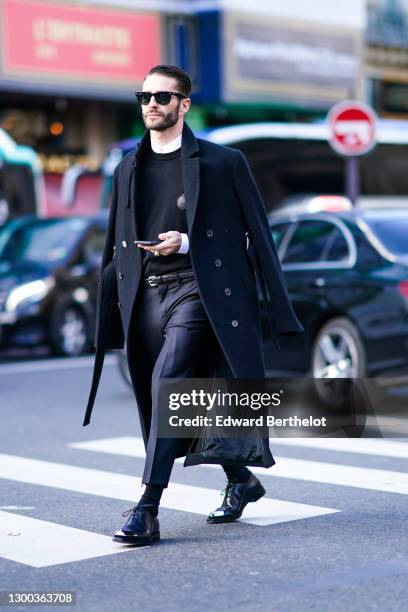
{"x": 353, "y": 128}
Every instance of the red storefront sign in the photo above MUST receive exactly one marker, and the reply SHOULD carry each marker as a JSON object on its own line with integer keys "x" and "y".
{"x": 42, "y": 40}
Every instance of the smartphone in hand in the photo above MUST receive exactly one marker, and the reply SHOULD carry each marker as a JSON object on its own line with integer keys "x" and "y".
{"x": 149, "y": 242}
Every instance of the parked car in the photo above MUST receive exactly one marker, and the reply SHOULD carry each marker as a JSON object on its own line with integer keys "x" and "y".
{"x": 313, "y": 203}
{"x": 48, "y": 281}
{"x": 347, "y": 275}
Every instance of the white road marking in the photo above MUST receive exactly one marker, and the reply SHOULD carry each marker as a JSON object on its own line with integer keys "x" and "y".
{"x": 134, "y": 447}
{"x": 298, "y": 469}
{"x": 363, "y": 446}
{"x": 386, "y": 481}
{"x": 40, "y": 544}
{"x": 386, "y": 424}
{"x": 49, "y": 365}
{"x": 17, "y": 507}
{"x": 127, "y": 446}
{"x": 198, "y": 500}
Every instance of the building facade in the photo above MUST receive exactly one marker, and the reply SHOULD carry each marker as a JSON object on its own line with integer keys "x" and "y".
{"x": 69, "y": 68}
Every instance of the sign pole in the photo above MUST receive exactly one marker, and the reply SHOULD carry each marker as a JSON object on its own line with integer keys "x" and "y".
{"x": 352, "y": 186}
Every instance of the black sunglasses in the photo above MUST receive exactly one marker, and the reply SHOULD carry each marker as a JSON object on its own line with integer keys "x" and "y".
{"x": 161, "y": 97}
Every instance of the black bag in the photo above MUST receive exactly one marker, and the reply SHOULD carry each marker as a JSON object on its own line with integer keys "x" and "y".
{"x": 248, "y": 450}
{"x": 238, "y": 446}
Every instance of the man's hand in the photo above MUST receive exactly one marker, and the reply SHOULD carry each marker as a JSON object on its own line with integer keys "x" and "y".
{"x": 171, "y": 244}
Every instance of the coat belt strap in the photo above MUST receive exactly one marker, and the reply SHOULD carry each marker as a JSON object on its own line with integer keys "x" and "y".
{"x": 98, "y": 365}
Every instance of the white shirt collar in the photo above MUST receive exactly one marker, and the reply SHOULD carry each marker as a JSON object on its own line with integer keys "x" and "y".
{"x": 171, "y": 146}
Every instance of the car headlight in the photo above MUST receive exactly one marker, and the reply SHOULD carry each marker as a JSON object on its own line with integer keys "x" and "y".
{"x": 29, "y": 292}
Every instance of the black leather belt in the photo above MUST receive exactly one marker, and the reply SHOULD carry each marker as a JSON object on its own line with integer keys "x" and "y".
{"x": 154, "y": 281}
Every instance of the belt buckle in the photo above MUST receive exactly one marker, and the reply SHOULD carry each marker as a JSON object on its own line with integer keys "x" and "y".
{"x": 150, "y": 280}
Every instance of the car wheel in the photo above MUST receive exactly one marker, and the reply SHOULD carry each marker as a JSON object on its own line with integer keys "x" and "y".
{"x": 337, "y": 354}
{"x": 68, "y": 331}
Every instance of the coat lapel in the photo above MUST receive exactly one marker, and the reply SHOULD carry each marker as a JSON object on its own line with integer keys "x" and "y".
{"x": 131, "y": 177}
{"x": 190, "y": 169}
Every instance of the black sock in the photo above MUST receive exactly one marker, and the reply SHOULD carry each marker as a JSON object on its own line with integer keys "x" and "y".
{"x": 237, "y": 473}
{"x": 151, "y": 497}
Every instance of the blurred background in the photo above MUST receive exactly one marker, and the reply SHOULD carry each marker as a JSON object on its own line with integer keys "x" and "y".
{"x": 264, "y": 79}
{"x": 68, "y": 71}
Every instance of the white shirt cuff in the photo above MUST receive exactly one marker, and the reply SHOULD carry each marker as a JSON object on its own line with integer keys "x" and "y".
{"x": 184, "y": 244}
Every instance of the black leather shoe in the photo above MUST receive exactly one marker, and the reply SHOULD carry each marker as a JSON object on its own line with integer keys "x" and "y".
{"x": 141, "y": 529}
{"x": 237, "y": 496}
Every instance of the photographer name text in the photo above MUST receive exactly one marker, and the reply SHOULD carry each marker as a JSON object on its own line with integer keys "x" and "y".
{"x": 260, "y": 421}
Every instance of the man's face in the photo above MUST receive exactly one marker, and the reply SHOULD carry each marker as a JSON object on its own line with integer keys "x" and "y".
{"x": 161, "y": 117}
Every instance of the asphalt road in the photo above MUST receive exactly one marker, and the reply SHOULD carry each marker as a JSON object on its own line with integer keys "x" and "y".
{"x": 331, "y": 535}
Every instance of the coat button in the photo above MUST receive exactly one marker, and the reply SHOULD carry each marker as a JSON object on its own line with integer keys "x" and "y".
{"x": 234, "y": 323}
{"x": 124, "y": 243}
{"x": 119, "y": 305}
{"x": 121, "y": 275}
{"x": 210, "y": 233}
{"x": 227, "y": 291}
{"x": 217, "y": 263}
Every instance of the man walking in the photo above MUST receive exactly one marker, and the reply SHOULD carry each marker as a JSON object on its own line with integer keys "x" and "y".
{"x": 186, "y": 307}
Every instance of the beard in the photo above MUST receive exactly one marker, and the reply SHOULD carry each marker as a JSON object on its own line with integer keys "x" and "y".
{"x": 167, "y": 120}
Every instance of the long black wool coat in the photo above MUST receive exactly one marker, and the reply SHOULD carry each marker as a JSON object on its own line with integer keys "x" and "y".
{"x": 223, "y": 208}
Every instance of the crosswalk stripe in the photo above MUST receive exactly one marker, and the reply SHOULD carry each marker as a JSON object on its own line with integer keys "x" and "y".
{"x": 363, "y": 446}
{"x": 297, "y": 469}
{"x": 17, "y": 507}
{"x": 386, "y": 481}
{"x": 127, "y": 446}
{"x": 397, "y": 426}
{"x": 134, "y": 447}
{"x": 40, "y": 543}
{"x": 198, "y": 500}
{"x": 51, "y": 365}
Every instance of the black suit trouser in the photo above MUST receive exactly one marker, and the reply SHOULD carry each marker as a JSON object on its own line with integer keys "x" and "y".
{"x": 170, "y": 331}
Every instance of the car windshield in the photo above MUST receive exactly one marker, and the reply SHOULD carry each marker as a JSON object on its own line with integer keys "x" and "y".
{"x": 391, "y": 229}
{"x": 46, "y": 242}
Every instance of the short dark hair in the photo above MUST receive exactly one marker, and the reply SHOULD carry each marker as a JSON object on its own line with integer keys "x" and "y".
{"x": 174, "y": 72}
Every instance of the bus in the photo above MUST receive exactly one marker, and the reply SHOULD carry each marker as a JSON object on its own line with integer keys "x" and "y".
{"x": 25, "y": 189}
{"x": 21, "y": 180}
{"x": 292, "y": 160}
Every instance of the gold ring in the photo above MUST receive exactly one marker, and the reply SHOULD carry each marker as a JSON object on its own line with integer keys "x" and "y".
{"x": 156, "y": 253}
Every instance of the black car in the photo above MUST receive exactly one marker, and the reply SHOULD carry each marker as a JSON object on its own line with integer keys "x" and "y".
{"x": 48, "y": 282}
{"x": 347, "y": 275}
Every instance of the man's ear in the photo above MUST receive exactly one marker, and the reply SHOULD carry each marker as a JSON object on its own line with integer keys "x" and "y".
{"x": 185, "y": 105}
